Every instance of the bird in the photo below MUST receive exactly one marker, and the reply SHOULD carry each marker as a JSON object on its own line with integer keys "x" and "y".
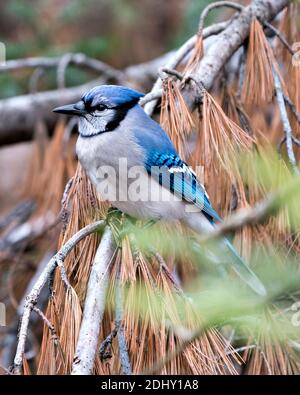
{"x": 133, "y": 163}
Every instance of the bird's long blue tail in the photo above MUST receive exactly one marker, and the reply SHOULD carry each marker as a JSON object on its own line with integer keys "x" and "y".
{"x": 243, "y": 270}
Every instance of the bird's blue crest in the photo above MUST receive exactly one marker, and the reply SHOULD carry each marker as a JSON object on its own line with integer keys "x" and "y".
{"x": 111, "y": 95}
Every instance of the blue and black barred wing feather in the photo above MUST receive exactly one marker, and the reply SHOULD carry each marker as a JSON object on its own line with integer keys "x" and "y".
{"x": 174, "y": 174}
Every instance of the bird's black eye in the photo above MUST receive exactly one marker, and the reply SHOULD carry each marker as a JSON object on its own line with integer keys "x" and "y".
{"x": 100, "y": 107}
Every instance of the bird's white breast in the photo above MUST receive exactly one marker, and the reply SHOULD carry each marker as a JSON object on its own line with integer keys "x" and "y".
{"x": 131, "y": 190}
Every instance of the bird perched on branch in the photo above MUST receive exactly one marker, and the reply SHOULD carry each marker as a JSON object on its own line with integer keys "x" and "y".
{"x": 132, "y": 163}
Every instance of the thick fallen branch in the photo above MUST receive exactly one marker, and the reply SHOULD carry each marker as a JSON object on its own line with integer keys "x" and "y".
{"x": 94, "y": 306}
{"x": 18, "y": 115}
{"x": 32, "y": 297}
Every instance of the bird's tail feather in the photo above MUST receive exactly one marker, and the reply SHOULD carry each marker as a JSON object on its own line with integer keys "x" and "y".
{"x": 226, "y": 253}
{"x": 244, "y": 271}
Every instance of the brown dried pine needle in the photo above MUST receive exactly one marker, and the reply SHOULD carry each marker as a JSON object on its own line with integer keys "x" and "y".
{"x": 175, "y": 117}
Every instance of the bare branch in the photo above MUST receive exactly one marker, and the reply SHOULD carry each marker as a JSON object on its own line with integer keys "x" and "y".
{"x": 124, "y": 357}
{"x": 77, "y": 59}
{"x": 46, "y": 322}
{"x": 280, "y": 36}
{"x": 254, "y": 215}
{"x": 176, "y": 59}
{"x": 292, "y": 107}
{"x": 94, "y": 306}
{"x": 173, "y": 73}
{"x": 151, "y": 96}
{"x": 227, "y": 42}
{"x": 286, "y": 123}
{"x": 18, "y": 115}
{"x": 61, "y": 70}
{"x": 32, "y": 297}
{"x": 20, "y": 213}
{"x": 215, "y": 5}
{"x": 27, "y": 231}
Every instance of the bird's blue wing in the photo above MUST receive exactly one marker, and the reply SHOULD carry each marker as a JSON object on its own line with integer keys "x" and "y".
{"x": 163, "y": 163}
{"x": 175, "y": 175}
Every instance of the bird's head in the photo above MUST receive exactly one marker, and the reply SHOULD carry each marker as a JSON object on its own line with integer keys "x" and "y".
{"x": 102, "y": 108}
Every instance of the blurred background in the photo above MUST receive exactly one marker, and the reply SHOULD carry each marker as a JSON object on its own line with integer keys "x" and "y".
{"x": 119, "y": 32}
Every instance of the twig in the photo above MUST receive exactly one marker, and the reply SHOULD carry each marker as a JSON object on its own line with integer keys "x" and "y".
{"x": 64, "y": 213}
{"x": 241, "y": 73}
{"x": 286, "y": 123}
{"x": 280, "y": 36}
{"x": 46, "y": 322}
{"x": 32, "y": 297}
{"x": 20, "y": 213}
{"x": 52, "y": 331}
{"x": 164, "y": 267}
{"x": 151, "y": 96}
{"x": 66, "y": 192}
{"x": 179, "y": 349}
{"x": 226, "y": 44}
{"x": 212, "y": 6}
{"x": 34, "y": 79}
{"x": 103, "y": 353}
{"x": 173, "y": 72}
{"x": 292, "y": 107}
{"x": 254, "y": 215}
{"x": 179, "y": 56}
{"x": 78, "y": 59}
{"x": 11, "y": 337}
{"x": 28, "y": 231}
{"x": 296, "y": 141}
{"x": 6, "y": 370}
{"x": 61, "y": 70}
{"x": 94, "y": 306}
{"x": 124, "y": 357}
{"x": 240, "y": 349}
{"x": 283, "y": 140}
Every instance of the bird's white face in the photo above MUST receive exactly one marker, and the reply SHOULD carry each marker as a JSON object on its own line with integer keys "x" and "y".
{"x": 102, "y": 109}
{"x": 97, "y": 121}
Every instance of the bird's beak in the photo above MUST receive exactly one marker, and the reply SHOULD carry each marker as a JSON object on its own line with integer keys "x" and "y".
{"x": 71, "y": 109}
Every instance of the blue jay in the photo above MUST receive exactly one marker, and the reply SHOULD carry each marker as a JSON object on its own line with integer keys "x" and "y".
{"x": 114, "y": 127}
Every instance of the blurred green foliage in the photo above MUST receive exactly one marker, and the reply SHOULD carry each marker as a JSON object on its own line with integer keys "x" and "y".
{"x": 223, "y": 299}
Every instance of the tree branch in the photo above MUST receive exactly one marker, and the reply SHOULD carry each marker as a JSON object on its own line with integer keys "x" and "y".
{"x": 286, "y": 123}
{"x": 94, "y": 306}
{"x": 18, "y": 115}
{"x": 124, "y": 357}
{"x": 177, "y": 58}
{"x": 77, "y": 59}
{"x": 254, "y": 215}
{"x": 32, "y": 297}
{"x": 227, "y": 42}
{"x": 213, "y": 6}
